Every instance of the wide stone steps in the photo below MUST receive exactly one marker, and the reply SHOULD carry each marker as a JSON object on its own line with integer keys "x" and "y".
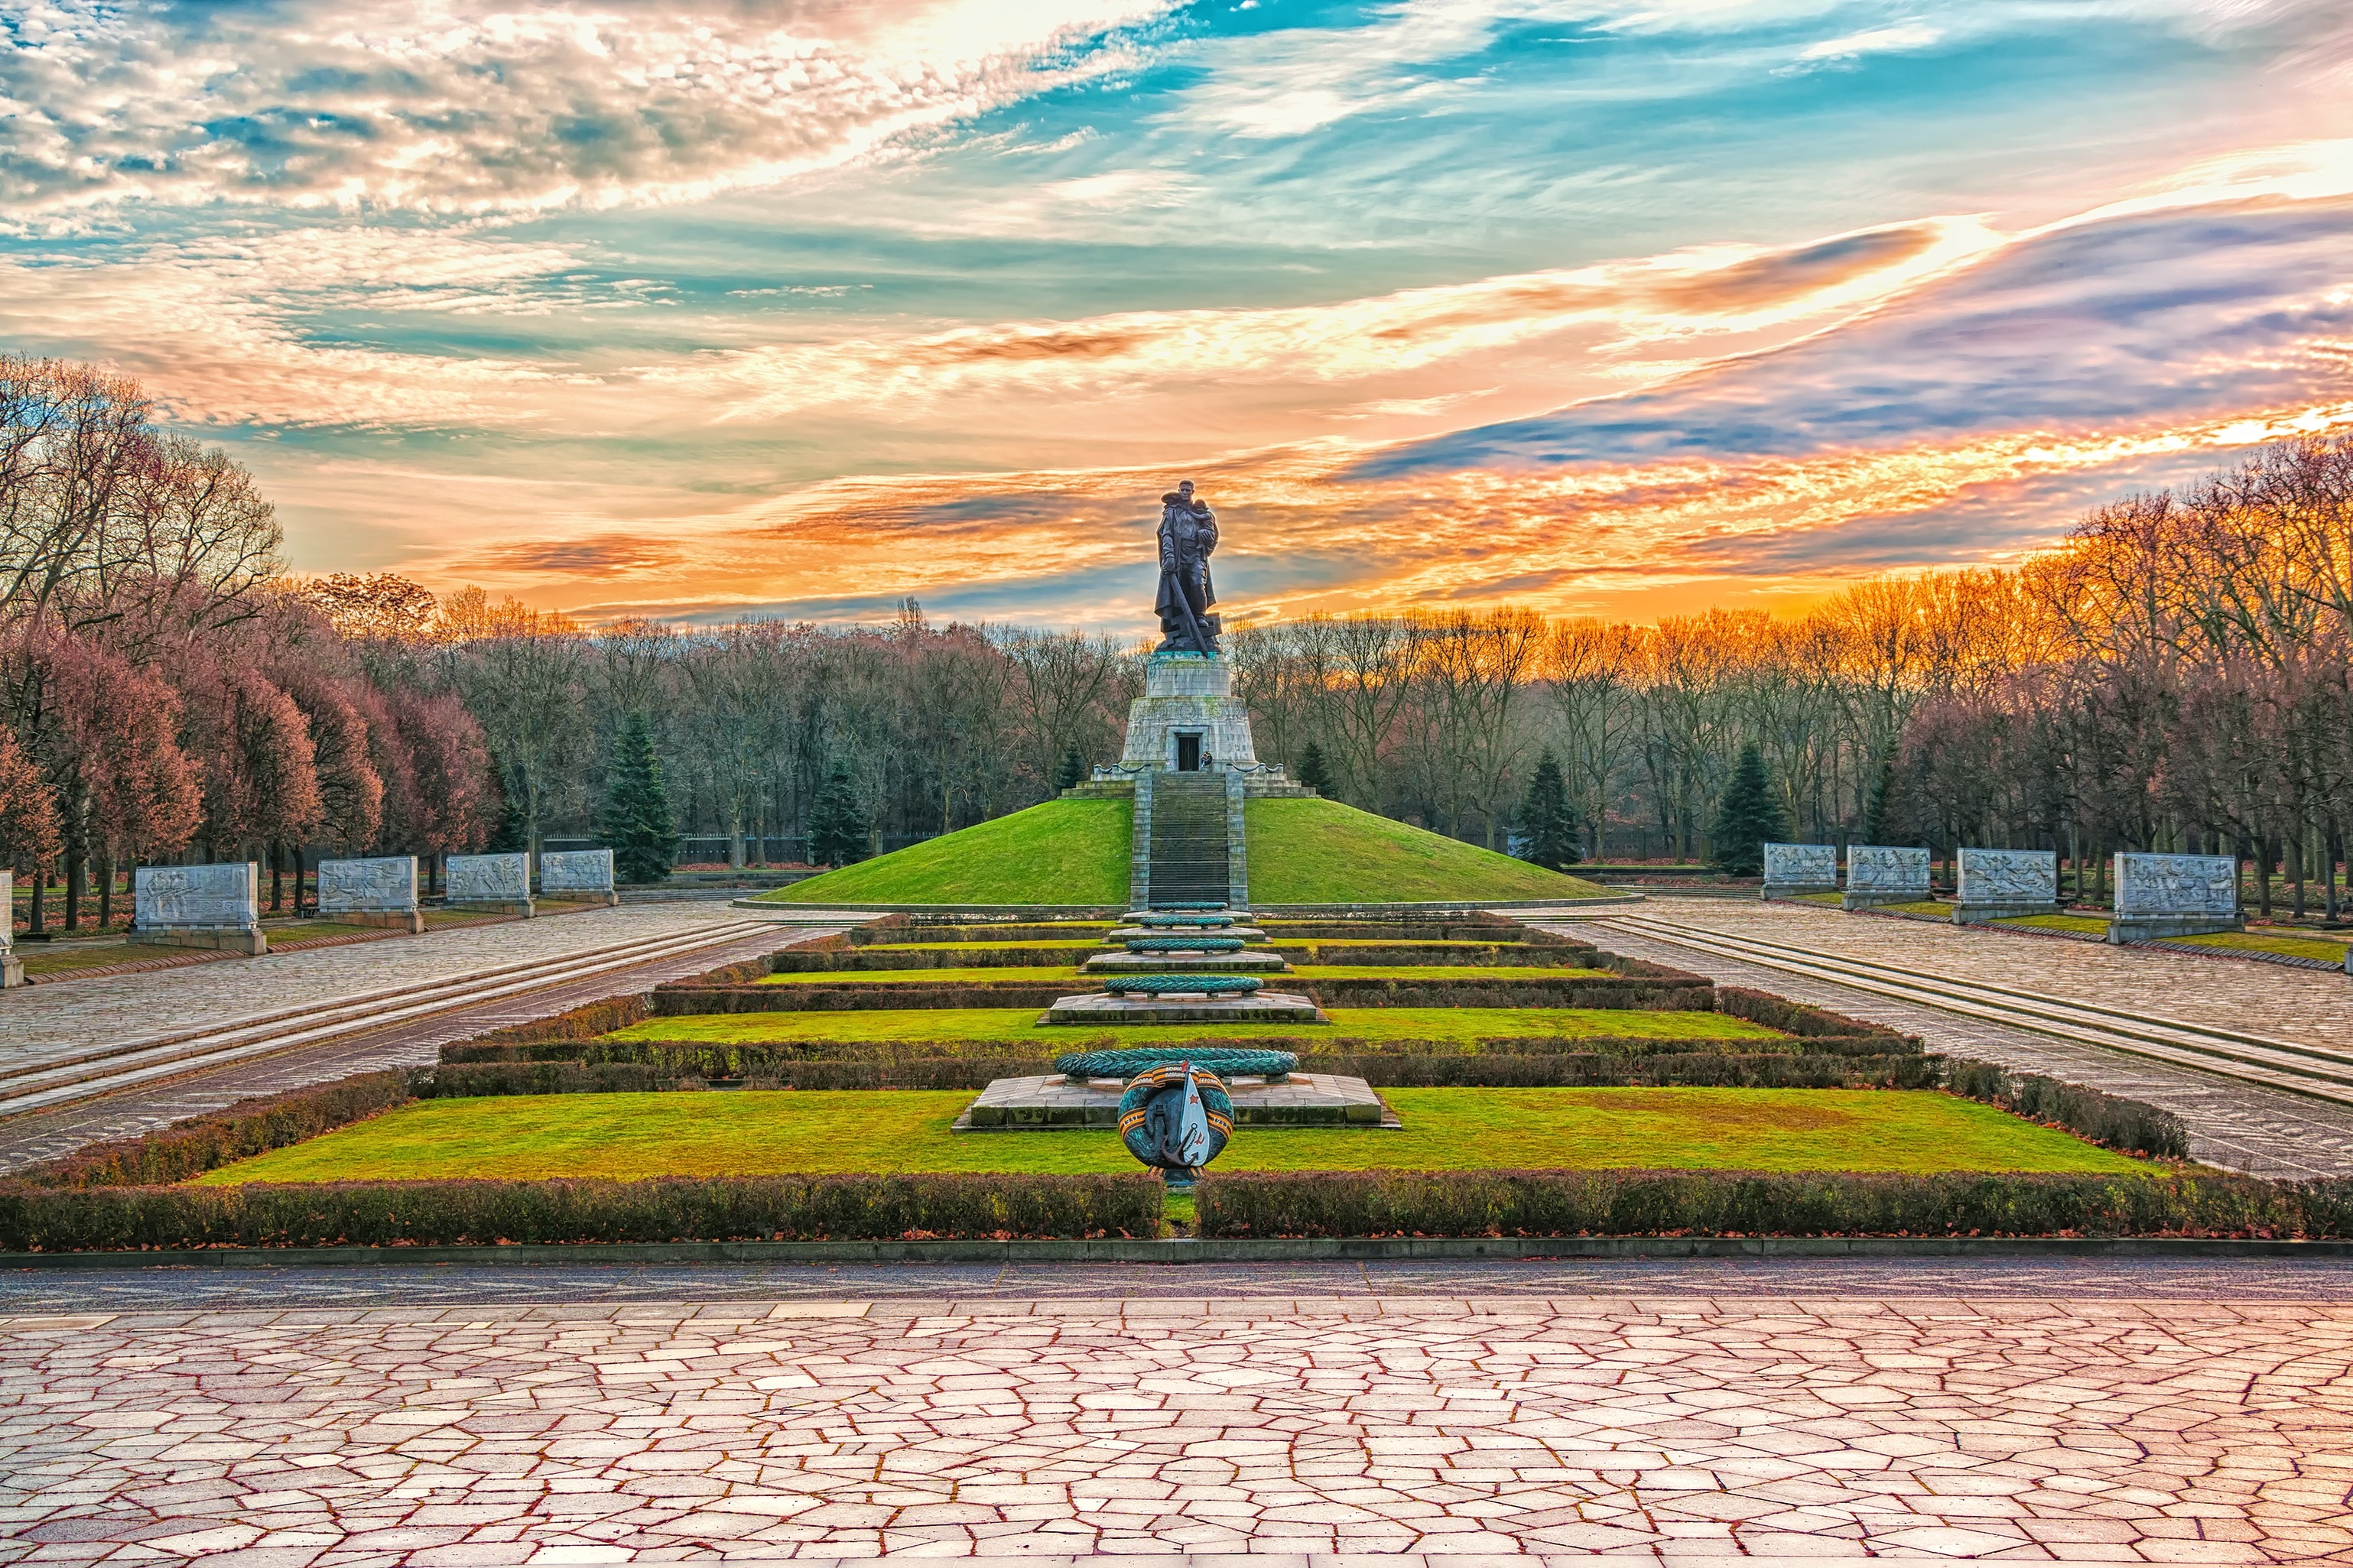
{"x": 1190, "y": 860}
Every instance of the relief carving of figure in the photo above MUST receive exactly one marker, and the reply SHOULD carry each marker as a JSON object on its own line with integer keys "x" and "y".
{"x": 1188, "y": 533}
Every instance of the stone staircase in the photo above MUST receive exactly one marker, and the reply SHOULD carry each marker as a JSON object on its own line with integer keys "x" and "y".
{"x": 1190, "y": 863}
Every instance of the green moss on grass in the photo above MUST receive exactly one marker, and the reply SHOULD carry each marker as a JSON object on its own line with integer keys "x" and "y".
{"x": 1321, "y": 852}
{"x": 1062, "y": 852}
{"x": 744, "y": 1132}
{"x": 2089, "y": 925}
{"x": 1019, "y": 1026}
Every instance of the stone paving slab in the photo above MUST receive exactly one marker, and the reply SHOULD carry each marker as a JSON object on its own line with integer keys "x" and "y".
{"x": 1463, "y": 1427}
{"x": 600, "y": 1287}
{"x": 2242, "y": 1126}
{"x": 1050, "y": 1101}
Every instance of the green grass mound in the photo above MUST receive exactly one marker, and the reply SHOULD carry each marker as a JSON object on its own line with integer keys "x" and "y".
{"x": 1019, "y": 1026}
{"x": 1062, "y": 852}
{"x": 1321, "y": 852}
{"x": 749, "y": 1133}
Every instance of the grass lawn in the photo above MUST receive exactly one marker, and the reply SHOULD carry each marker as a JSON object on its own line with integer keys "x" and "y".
{"x": 1005, "y": 974}
{"x": 2327, "y": 949}
{"x": 743, "y": 1132}
{"x": 1019, "y": 1026}
{"x": 1815, "y": 899}
{"x": 1062, "y": 852}
{"x": 1924, "y": 907}
{"x": 1321, "y": 852}
{"x": 2089, "y": 925}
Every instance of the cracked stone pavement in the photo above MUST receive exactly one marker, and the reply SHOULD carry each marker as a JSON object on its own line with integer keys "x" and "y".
{"x": 1296, "y": 1431}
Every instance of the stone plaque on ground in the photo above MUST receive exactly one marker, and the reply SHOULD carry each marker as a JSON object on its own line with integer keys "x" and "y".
{"x": 1800, "y": 868}
{"x": 500, "y": 882}
{"x": 2174, "y": 895}
{"x": 1884, "y": 874}
{"x": 571, "y": 871}
{"x": 199, "y": 906}
{"x": 381, "y": 892}
{"x": 1998, "y": 883}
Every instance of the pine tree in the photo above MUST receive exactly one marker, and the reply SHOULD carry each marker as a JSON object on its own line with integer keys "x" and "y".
{"x": 1749, "y": 818}
{"x": 837, "y": 827}
{"x": 638, "y": 825}
{"x": 511, "y": 836}
{"x": 1073, "y": 770}
{"x": 1880, "y": 809}
{"x": 1313, "y": 772}
{"x": 1547, "y": 819}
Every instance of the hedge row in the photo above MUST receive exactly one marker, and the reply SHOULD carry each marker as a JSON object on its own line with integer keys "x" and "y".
{"x": 1799, "y": 1019}
{"x": 1751, "y": 1202}
{"x": 1662, "y": 1070}
{"x": 1431, "y": 990}
{"x": 1489, "y": 955}
{"x": 238, "y": 1131}
{"x": 445, "y": 1214}
{"x": 797, "y": 961}
{"x": 898, "y": 929}
{"x": 478, "y": 1078}
{"x": 2128, "y": 1124}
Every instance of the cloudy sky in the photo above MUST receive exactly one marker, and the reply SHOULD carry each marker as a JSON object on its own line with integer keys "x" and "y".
{"x": 701, "y": 308}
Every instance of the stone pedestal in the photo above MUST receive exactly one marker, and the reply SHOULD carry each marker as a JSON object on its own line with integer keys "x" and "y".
{"x": 2175, "y": 895}
{"x": 380, "y": 893}
{"x": 1119, "y": 1012}
{"x": 216, "y": 907}
{"x": 12, "y": 971}
{"x": 499, "y": 884}
{"x": 1794, "y": 869}
{"x": 1878, "y": 874}
{"x": 1053, "y": 1103}
{"x": 2006, "y": 884}
{"x": 577, "y": 875}
{"x": 1260, "y": 962}
{"x": 1189, "y": 714}
{"x": 12, "y": 968}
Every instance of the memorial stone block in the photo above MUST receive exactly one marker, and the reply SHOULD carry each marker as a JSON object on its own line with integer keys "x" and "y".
{"x": 1999, "y": 883}
{"x": 500, "y": 882}
{"x": 1884, "y": 874}
{"x": 377, "y": 892}
{"x": 1791, "y": 869}
{"x": 2174, "y": 895}
{"x": 578, "y": 872}
{"x": 199, "y": 906}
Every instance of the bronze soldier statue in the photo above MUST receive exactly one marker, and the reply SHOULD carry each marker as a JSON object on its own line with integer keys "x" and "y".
{"x": 1189, "y": 532}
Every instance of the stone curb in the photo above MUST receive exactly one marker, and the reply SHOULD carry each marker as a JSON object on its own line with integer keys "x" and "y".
{"x": 1185, "y": 1250}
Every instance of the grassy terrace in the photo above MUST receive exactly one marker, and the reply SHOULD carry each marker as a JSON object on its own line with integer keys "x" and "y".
{"x": 1003, "y": 1025}
{"x": 1321, "y": 852}
{"x": 746, "y": 1132}
{"x": 1008, "y": 975}
{"x": 2085, "y": 925}
{"x": 1062, "y": 852}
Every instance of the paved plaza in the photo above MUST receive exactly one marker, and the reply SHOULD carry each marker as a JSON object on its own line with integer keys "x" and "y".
{"x": 1656, "y": 1422}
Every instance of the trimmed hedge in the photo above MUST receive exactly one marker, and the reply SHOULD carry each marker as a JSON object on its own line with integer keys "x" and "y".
{"x": 1805, "y": 1021}
{"x": 1432, "y": 990}
{"x": 1416, "y": 928}
{"x": 1752, "y": 1203}
{"x": 240, "y": 1131}
{"x": 1686, "y": 1069}
{"x": 793, "y": 961}
{"x": 451, "y": 1214}
{"x": 2131, "y": 1125}
{"x": 897, "y": 929}
{"x": 462, "y": 1080}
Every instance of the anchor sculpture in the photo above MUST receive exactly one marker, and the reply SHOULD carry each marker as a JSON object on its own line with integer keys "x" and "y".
{"x": 1176, "y": 1118}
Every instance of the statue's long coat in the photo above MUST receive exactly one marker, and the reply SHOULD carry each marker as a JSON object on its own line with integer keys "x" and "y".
{"x": 1178, "y": 562}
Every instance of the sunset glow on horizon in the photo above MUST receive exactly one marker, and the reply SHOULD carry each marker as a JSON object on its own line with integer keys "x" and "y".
{"x": 794, "y": 307}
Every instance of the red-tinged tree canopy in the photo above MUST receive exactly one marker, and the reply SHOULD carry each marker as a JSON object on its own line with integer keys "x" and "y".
{"x": 28, "y": 810}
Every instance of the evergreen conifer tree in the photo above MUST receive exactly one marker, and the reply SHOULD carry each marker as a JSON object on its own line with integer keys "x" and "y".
{"x": 1313, "y": 772}
{"x": 837, "y": 827}
{"x": 1073, "y": 770}
{"x": 1547, "y": 819}
{"x": 639, "y": 827}
{"x": 509, "y": 837}
{"x": 1880, "y": 809}
{"x": 1747, "y": 818}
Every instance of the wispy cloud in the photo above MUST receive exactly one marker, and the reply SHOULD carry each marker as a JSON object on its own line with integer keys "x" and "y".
{"x": 467, "y": 107}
